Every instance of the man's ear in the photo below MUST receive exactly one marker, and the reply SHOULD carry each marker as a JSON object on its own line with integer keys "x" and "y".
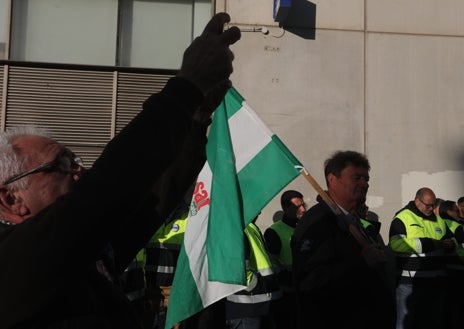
{"x": 12, "y": 207}
{"x": 331, "y": 179}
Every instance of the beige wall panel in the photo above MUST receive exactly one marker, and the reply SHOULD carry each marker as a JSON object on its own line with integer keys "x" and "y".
{"x": 335, "y": 14}
{"x": 340, "y": 14}
{"x": 259, "y": 12}
{"x": 415, "y": 118}
{"x": 442, "y": 17}
{"x": 309, "y": 92}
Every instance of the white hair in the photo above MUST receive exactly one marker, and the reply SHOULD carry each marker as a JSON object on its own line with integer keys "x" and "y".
{"x": 11, "y": 161}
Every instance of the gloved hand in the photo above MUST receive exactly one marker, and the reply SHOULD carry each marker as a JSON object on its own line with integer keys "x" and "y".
{"x": 212, "y": 100}
{"x": 208, "y": 60}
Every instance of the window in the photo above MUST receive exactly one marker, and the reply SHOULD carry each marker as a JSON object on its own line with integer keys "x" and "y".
{"x": 4, "y": 12}
{"x": 64, "y": 31}
{"x": 135, "y": 33}
{"x": 155, "y": 33}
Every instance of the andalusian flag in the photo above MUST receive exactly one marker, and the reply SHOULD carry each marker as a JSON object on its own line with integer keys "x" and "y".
{"x": 247, "y": 165}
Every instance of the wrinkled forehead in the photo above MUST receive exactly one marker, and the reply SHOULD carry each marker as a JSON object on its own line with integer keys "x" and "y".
{"x": 38, "y": 147}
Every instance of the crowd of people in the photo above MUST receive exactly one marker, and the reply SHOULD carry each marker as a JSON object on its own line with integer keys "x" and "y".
{"x": 312, "y": 261}
{"x": 82, "y": 249}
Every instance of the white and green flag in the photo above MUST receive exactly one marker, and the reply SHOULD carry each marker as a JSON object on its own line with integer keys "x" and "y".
{"x": 247, "y": 165}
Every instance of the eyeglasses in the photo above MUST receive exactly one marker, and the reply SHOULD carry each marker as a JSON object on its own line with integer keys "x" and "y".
{"x": 65, "y": 161}
{"x": 300, "y": 205}
{"x": 427, "y": 205}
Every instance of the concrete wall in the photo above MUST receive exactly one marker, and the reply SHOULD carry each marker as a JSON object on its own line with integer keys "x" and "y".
{"x": 381, "y": 77}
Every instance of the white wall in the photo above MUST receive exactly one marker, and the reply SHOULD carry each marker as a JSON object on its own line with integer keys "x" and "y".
{"x": 380, "y": 77}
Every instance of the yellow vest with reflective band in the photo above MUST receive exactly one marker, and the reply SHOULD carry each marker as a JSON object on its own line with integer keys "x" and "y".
{"x": 417, "y": 227}
{"x": 170, "y": 236}
{"x": 285, "y": 232}
{"x": 258, "y": 261}
{"x": 412, "y": 262}
{"x": 163, "y": 250}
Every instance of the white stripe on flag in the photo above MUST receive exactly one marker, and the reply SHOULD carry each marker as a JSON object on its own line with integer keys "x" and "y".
{"x": 195, "y": 248}
{"x": 249, "y": 135}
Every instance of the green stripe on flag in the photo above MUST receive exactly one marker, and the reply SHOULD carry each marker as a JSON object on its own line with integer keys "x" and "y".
{"x": 233, "y": 102}
{"x": 263, "y": 177}
{"x": 184, "y": 280}
{"x": 226, "y": 224}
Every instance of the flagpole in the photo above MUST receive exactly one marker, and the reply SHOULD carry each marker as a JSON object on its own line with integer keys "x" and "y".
{"x": 336, "y": 209}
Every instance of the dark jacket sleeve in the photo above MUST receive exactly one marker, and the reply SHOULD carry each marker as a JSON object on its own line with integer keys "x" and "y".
{"x": 325, "y": 256}
{"x": 62, "y": 242}
{"x": 163, "y": 198}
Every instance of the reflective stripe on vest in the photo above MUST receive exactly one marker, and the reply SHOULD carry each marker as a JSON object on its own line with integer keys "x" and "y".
{"x": 160, "y": 269}
{"x": 252, "y": 299}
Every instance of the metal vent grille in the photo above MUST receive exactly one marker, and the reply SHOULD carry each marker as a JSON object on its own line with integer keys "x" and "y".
{"x": 74, "y": 105}
{"x": 133, "y": 89}
{"x": 2, "y": 77}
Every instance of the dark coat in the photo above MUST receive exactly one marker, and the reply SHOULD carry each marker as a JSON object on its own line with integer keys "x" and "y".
{"x": 48, "y": 277}
{"x": 335, "y": 286}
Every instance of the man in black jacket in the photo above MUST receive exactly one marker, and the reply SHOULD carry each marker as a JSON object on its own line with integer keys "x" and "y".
{"x": 337, "y": 279}
{"x": 60, "y": 217}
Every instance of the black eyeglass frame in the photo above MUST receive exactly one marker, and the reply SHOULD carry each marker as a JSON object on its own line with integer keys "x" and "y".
{"x": 75, "y": 162}
{"x": 427, "y": 205}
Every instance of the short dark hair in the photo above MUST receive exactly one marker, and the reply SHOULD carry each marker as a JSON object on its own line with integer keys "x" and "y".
{"x": 342, "y": 159}
{"x": 287, "y": 196}
{"x": 438, "y": 202}
{"x": 444, "y": 207}
{"x": 461, "y": 199}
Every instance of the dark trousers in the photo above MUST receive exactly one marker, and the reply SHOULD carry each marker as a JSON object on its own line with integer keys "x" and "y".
{"x": 284, "y": 311}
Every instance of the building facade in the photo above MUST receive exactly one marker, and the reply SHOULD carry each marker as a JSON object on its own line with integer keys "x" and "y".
{"x": 380, "y": 77}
